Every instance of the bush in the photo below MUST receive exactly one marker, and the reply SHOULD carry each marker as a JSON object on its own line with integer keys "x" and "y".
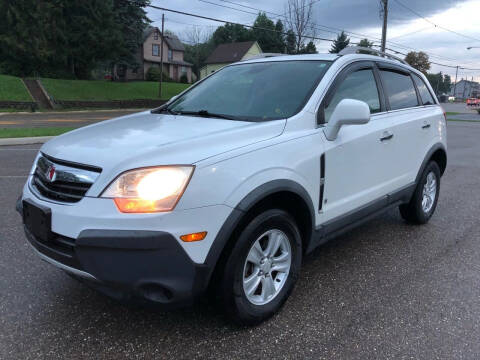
{"x": 153, "y": 74}
{"x": 184, "y": 79}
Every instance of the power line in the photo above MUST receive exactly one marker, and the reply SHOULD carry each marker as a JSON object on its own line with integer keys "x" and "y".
{"x": 325, "y": 28}
{"x": 434, "y": 24}
{"x": 284, "y": 33}
{"x": 231, "y": 22}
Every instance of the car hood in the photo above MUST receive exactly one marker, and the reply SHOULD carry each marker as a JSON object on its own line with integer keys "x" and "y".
{"x": 147, "y": 139}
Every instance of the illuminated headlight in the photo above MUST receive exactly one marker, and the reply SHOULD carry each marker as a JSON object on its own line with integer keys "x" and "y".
{"x": 150, "y": 189}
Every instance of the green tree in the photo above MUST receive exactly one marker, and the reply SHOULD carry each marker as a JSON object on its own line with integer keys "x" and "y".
{"x": 280, "y": 37}
{"x": 290, "y": 42}
{"x": 418, "y": 60}
{"x": 365, "y": 43}
{"x": 440, "y": 83}
{"x": 67, "y": 38}
{"x": 310, "y": 48}
{"x": 229, "y": 33}
{"x": 340, "y": 43}
{"x": 264, "y": 33}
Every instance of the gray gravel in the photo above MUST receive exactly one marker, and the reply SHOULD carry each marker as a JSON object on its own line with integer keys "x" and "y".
{"x": 384, "y": 290}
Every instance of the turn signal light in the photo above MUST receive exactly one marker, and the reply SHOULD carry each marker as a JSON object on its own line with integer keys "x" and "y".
{"x": 194, "y": 237}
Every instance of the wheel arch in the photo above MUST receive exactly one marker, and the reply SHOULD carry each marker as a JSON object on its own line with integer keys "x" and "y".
{"x": 283, "y": 194}
{"x": 437, "y": 153}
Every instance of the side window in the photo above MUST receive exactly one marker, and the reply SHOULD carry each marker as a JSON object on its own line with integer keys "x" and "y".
{"x": 359, "y": 85}
{"x": 155, "y": 50}
{"x": 427, "y": 98}
{"x": 400, "y": 90}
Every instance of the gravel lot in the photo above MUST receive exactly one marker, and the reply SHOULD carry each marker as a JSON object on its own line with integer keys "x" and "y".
{"x": 384, "y": 290}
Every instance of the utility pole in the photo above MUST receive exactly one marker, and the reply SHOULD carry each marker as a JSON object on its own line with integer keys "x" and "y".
{"x": 455, "y": 85}
{"x": 385, "y": 18}
{"x": 161, "y": 58}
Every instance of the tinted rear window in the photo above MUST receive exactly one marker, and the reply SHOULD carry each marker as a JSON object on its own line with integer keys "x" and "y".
{"x": 400, "y": 90}
{"x": 427, "y": 98}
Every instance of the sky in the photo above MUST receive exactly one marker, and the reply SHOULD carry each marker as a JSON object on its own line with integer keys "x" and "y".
{"x": 406, "y": 30}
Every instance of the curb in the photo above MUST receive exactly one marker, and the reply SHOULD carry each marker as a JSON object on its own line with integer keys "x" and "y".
{"x": 25, "y": 140}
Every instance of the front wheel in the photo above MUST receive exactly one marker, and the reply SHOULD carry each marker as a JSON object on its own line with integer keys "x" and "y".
{"x": 424, "y": 200}
{"x": 262, "y": 268}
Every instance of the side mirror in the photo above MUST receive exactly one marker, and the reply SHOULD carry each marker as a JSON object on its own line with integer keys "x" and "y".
{"x": 347, "y": 112}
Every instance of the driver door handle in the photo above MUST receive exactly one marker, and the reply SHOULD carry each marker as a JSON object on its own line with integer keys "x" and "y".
{"x": 387, "y": 135}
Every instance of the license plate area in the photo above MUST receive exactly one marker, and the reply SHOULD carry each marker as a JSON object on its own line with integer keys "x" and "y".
{"x": 38, "y": 220}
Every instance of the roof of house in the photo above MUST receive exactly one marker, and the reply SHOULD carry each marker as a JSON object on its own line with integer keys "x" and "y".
{"x": 228, "y": 53}
{"x": 172, "y": 41}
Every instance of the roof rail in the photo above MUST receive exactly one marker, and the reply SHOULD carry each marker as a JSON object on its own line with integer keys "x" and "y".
{"x": 264, "y": 55}
{"x": 358, "y": 49}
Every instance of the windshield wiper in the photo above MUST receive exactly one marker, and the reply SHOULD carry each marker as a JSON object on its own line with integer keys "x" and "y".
{"x": 206, "y": 113}
{"x": 164, "y": 110}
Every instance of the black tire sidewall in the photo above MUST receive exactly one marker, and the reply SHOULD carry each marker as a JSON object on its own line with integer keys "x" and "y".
{"x": 236, "y": 304}
{"x": 421, "y": 215}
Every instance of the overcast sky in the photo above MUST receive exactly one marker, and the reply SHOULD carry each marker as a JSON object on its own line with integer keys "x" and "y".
{"x": 362, "y": 17}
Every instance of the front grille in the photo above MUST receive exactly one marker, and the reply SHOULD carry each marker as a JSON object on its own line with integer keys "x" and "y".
{"x": 63, "y": 181}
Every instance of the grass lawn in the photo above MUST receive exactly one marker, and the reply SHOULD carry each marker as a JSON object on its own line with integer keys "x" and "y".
{"x": 13, "y": 89}
{"x": 32, "y": 132}
{"x": 92, "y": 90}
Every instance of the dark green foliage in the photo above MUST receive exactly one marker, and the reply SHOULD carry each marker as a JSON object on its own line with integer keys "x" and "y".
{"x": 290, "y": 42}
{"x": 309, "y": 49}
{"x": 231, "y": 33}
{"x": 340, "y": 43}
{"x": 366, "y": 44}
{"x": 153, "y": 74}
{"x": 68, "y": 38}
{"x": 265, "y": 33}
{"x": 184, "y": 79}
{"x": 441, "y": 83}
{"x": 418, "y": 60}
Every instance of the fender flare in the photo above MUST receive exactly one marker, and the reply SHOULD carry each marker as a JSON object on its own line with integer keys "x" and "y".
{"x": 433, "y": 149}
{"x": 250, "y": 200}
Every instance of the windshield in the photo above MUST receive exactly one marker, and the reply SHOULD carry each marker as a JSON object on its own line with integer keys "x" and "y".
{"x": 253, "y": 92}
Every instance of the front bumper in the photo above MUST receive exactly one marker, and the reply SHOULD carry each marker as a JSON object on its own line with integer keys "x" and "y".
{"x": 128, "y": 265}
{"x": 127, "y": 257}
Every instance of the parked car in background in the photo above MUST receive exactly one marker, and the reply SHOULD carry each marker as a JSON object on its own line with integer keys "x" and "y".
{"x": 473, "y": 102}
{"x": 228, "y": 186}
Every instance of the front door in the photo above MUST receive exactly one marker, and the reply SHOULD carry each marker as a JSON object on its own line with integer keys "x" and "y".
{"x": 175, "y": 72}
{"x": 356, "y": 172}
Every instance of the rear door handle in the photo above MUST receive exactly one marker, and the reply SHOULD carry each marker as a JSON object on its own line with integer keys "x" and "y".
{"x": 387, "y": 135}
{"x": 425, "y": 126}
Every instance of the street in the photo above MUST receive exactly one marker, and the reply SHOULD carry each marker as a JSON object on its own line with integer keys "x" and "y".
{"x": 384, "y": 290}
{"x": 52, "y": 119}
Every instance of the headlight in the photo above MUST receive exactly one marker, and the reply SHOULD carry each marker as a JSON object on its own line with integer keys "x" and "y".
{"x": 150, "y": 189}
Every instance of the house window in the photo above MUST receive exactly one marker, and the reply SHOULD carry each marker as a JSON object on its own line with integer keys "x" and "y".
{"x": 170, "y": 55}
{"x": 155, "y": 50}
{"x": 183, "y": 69}
{"x": 155, "y": 35}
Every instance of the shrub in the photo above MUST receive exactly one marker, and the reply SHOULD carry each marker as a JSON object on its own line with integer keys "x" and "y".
{"x": 184, "y": 79}
{"x": 153, "y": 74}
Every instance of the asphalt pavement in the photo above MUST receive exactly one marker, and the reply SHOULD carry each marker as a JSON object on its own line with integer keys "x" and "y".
{"x": 384, "y": 290}
{"x": 56, "y": 119}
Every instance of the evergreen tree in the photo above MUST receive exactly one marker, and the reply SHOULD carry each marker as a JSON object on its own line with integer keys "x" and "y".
{"x": 310, "y": 48}
{"x": 264, "y": 33}
{"x": 290, "y": 42}
{"x": 229, "y": 33}
{"x": 340, "y": 43}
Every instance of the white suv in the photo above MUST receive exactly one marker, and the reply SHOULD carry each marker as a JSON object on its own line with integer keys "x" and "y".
{"x": 227, "y": 186}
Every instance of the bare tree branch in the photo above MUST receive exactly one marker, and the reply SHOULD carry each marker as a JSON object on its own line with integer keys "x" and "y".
{"x": 299, "y": 18}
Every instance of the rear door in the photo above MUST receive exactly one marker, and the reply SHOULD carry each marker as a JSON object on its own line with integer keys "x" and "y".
{"x": 410, "y": 122}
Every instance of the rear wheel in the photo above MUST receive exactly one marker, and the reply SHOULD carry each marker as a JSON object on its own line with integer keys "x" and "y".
{"x": 262, "y": 268}
{"x": 424, "y": 200}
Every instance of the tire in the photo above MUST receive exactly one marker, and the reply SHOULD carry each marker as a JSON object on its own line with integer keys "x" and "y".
{"x": 270, "y": 227}
{"x": 417, "y": 211}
